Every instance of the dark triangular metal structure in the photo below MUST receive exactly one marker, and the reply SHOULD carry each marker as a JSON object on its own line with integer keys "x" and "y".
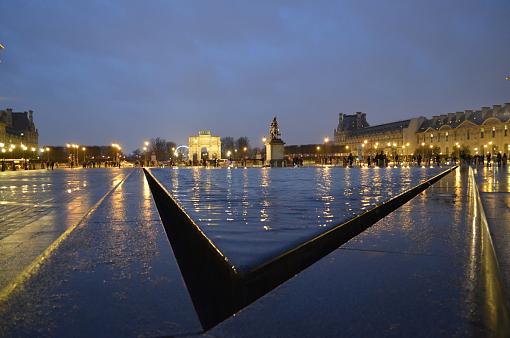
{"x": 216, "y": 288}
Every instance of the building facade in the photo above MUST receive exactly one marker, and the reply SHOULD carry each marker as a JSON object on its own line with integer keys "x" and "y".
{"x": 360, "y": 139}
{"x": 204, "y": 146}
{"x": 18, "y": 128}
{"x": 472, "y": 132}
{"x": 468, "y": 132}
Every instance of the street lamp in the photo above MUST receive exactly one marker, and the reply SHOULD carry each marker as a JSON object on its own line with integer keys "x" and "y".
{"x": 117, "y": 148}
{"x": 83, "y": 153}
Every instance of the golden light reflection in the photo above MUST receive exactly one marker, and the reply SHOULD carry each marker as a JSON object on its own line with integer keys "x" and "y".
{"x": 323, "y": 187}
{"x": 197, "y": 184}
{"x": 228, "y": 209}
{"x": 245, "y": 198}
{"x": 486, "y": 282}
{"x": 147, "y": 199}
{"x": 266, "y": 202}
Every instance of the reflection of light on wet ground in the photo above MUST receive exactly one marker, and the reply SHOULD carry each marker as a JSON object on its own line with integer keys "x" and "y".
{"x": 39, "y": 216}
{"x": 323, "y": 192}
{"x": 266, "y": 202}
{"x": 249, "y": 212}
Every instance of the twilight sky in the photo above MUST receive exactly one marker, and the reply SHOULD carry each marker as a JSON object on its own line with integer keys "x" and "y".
{"x": 96, "y": 72}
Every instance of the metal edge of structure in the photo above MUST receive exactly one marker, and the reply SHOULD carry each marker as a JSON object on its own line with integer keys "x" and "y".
{"x": 492, "y": 295}
{"x": 216, "y": 289}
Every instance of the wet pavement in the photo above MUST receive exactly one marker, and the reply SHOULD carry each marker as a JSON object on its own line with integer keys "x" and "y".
{"x": 36, "y": 207}
{"x": 416, "y": 272}
{"x": 114, "y": 276}
{"x": 494, "y": 186}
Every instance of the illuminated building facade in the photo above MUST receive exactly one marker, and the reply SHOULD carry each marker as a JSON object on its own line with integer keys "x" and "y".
{"x": 204, "y": 146}
{"x": 359, "y": 138}
{"x": 472, "y": 132}
{"x": 18, "y": 128}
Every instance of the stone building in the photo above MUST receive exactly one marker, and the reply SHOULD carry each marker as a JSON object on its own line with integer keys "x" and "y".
{"x": 359, "y": 138}
{"x": 472, "y": 132}
{"x": 18, "y": 128}
{"x": 204, "y": 146}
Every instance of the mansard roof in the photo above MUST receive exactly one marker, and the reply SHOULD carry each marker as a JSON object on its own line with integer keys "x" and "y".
{"x": 21, "y": 122}
{"x": 454, "y": 120}
{"x": 381, "y": 128}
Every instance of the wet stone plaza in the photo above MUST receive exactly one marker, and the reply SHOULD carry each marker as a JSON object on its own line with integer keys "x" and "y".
{"x": 85, "y": 252}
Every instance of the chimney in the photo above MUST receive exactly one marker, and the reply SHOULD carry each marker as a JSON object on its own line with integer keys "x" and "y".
{"x": 31, "y": 116}
{"x": 496, "y": 109}
{"x": 468, "y": 113}
{"x": 507, "y": 107}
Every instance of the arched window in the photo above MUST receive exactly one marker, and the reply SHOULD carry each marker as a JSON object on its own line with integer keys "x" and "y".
{"x": 493, "y": 131}
{"x": 467, "y": 134}
{"x": 446, "y": 138}
{"x": 481, "y": 133}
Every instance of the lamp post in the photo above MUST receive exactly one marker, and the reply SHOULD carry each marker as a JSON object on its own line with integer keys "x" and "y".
{"x": 3, "y": 158}
{"x": 326, "y": 148}
{"x": 24, "y": 149}
{"x": 2, "y": 145}
{"x": 33, "y": 149}
{"x": 84, "y": 150}
{"x": 116, "y": 151}
{"x": 145, "y": 148}
{"x": 68, "y": 146}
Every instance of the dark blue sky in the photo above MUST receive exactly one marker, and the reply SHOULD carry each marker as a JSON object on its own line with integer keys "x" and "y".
{"x": 102, "y": 71}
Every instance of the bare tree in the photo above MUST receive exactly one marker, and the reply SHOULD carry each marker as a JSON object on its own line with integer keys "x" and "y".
{"x": 158, "y": 146}
{"x": 227, "y": 143}
{"x": 243, "y": 142}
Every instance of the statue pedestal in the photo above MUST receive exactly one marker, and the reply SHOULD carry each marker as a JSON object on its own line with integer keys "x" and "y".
{"x": 274, "y": 153}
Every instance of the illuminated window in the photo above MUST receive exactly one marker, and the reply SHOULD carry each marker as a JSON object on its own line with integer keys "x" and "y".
{"x": 493, "y": 131}
{"x": 481, "y": 133}
{"x": 446, "y": 138}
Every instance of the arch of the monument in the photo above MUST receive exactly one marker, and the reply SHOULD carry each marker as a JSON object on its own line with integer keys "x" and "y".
{"x": 204, "y": 145}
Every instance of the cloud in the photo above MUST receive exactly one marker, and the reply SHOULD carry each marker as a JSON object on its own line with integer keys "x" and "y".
{"x": 129, "y": 70}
